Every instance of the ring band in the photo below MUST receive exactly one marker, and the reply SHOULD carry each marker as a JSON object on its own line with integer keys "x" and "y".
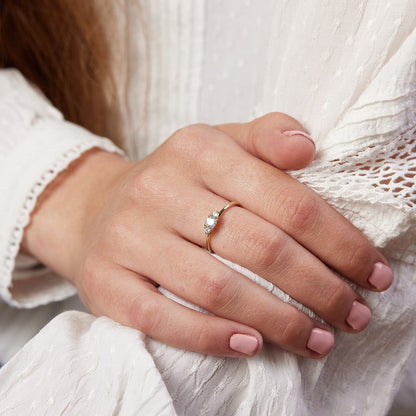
{"x": 212, "y": 221}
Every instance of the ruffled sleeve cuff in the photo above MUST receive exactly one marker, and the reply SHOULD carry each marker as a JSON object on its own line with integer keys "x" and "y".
{"x": 36, "y": 144}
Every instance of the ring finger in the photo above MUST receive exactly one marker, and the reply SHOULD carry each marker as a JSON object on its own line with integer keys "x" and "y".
{"x": 252, "y": 242}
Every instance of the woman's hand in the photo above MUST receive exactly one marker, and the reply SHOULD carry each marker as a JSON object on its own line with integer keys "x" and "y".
{"x": 118, "y": 229}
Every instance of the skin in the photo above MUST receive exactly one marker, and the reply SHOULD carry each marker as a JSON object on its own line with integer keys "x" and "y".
{"x": 105, "y": 224}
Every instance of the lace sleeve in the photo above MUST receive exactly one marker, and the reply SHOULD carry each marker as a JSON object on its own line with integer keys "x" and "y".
{"x": 35, "y": 145}
{"x": 374, "y": 187}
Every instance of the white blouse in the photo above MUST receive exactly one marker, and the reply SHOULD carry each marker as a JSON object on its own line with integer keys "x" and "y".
{"x": 347, "y": 71}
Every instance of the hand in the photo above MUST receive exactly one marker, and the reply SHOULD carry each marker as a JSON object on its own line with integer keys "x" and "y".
{"x": 128, "y": 227}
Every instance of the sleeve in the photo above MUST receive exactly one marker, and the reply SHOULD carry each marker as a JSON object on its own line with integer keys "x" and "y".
{"x": 366, "y": 165}
{"x": 36, "y": 144}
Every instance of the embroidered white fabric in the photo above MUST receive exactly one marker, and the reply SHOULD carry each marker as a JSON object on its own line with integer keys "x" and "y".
{"x": 379, "y": 176}
{"x": 347, "y": 71}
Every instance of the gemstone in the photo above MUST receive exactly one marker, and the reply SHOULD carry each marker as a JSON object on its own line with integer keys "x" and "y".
{"x": 211, "y": 222}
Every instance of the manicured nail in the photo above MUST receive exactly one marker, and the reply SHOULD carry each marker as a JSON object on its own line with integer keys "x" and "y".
{"x": 291, "y": 133}
{"x": 359, "y": 316}
{"x": 320, "y": 341}
{"x": 381, "y": 277}
{"x": 246, "y": 344}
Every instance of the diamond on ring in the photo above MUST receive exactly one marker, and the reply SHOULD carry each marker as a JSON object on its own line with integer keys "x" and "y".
{"x": 212, "y": 219}
{"x": 211, "y": 222}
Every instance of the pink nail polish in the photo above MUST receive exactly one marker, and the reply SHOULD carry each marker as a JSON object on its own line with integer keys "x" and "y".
{"x": 291, "y": 133}
{"x": 246, "y": 344}
{"x": 359, "y": 316}
{"x": 320, "y": 341}
{"x": 381, "y": 277}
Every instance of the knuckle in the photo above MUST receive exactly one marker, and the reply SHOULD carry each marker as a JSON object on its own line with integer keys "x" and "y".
{"x": 148, "y": 183}
{"x": 269, "y": 245}
{"x": 188, "y": 141}
{"x": 295, "y": 330}
{"x": 90, "y": 283}
{"x": 89, "y": 276}
{"x": 143, "y": 316}
{"x": 338, "y": 299}
{"x": 301, "y": 213}
{"x": 216, "y": 293}
{"x": 361, "y": 259}
{"x": 204, "y": 341}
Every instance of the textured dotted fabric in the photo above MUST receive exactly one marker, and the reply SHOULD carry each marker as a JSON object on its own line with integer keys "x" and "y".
{"x": 347, "y": 71}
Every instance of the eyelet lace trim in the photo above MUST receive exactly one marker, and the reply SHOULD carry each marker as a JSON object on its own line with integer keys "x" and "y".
{"x": 38, "y": 187}
{"x": 383, "y": 173}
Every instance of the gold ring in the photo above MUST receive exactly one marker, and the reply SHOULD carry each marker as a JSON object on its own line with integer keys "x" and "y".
{"x": 212, "y": 221}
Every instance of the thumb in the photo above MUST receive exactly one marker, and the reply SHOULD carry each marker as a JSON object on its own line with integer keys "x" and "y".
{"x": 276, "y": 138}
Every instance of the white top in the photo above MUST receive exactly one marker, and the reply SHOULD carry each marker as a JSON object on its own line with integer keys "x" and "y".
{"x": 346, "y": 70}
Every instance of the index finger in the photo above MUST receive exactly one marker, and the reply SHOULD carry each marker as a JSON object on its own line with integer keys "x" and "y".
{"x": 276, "y": 138}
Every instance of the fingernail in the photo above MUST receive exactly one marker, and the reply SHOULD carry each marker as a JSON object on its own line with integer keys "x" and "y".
{"x": 291, "y": 133}
{"x": 381, "y": 277}
{"x": 320, "y": 341}
{"x": 246, "y": 344}
{"x": 359, "y": 316}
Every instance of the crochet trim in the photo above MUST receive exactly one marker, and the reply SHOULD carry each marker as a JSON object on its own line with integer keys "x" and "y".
{"x": 38, "y": 187}
{"x": 383, "y": 173}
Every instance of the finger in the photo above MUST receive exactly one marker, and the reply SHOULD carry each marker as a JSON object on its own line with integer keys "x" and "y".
{"x": 232, "y": 173}
{"x": 276, "y": 138}
{"x": 201, "y": 279}
{"x": 242, "y": 237}
{"x": 134, "y": 301}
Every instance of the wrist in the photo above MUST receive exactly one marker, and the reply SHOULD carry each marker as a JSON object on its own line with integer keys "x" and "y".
{"x": 59, "y": 221}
